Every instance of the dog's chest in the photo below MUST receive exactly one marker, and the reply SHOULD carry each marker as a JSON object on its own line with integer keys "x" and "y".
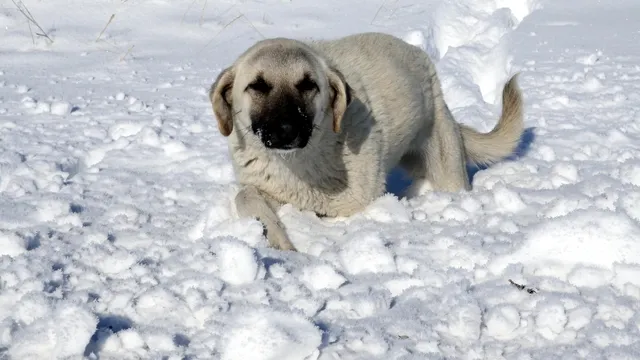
{"x": 274, "y": 177}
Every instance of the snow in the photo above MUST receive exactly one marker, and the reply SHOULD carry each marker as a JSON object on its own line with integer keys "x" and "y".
{"x": 62, "y": 332}
{"x": 366, "y": 253}
{"x": 11, "y": 244}
{"x": 237, "y": 263}
{"x": 322, "y": 276}
{"x": 60, "y": 108}
{"x": 271, "y": 335}
{"x": 502, "y": 321}
{"x": 600, "y": 239}
{"x": 119, "y": 238}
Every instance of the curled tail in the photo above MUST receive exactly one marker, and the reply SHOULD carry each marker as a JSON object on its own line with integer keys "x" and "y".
{"x": 502, "y": 141}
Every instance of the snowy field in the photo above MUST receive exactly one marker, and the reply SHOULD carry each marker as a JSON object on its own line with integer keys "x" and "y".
{"x": 118, "y": 238}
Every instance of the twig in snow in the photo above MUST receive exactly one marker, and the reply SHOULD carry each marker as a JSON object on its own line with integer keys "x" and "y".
{"x": 522, "y": 287}
{"x": 30, "y": 20}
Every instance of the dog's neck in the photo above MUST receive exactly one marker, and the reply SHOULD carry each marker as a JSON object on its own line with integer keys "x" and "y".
{"x": 318, "y": 160}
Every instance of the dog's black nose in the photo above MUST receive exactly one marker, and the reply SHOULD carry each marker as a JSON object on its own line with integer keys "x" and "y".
{"x": 278, "y": 135}
{"x": 282, "y": 136}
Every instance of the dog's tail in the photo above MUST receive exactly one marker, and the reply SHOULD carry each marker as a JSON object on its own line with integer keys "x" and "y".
{"x": 487, "y": 148}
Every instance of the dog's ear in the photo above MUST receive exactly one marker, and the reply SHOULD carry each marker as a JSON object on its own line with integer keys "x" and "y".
{"x": 220, "y": 96}
{"x": 341, "y": 94}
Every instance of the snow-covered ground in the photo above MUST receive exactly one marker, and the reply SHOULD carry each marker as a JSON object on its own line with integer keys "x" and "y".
{"x": 118, "y": 239}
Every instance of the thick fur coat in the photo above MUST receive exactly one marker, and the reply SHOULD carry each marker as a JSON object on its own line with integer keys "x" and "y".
{"x": 320, "y": 124}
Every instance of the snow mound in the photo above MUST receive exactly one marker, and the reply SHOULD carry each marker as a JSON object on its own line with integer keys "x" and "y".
{"x": 11, "y": 244}
{"x": 64, "y": 334}
{"x": 502, "y": 321}
{"x": 322, "y": 277}
{"x": 367, "y": 253}
{"x": 267, "y": 335}
{"x": 61, "y": 108}
{"x": 237, "y": 262}
{"x": 595, "y": 238}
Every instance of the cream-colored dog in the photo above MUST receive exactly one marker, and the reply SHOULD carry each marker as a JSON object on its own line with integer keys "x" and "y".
{"x": 320, "y": 124}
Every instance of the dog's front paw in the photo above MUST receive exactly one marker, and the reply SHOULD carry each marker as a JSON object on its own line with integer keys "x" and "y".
{"x": 277, "y": 237}
{"x": 286, "y": 246}
{"x": 281, "y": 242}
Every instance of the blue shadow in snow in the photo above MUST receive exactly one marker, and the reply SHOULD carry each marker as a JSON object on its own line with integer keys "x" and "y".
{"x": 107, "y": 326}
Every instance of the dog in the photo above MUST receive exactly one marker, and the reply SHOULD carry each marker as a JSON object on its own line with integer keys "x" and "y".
{"x": 319, "y": 125}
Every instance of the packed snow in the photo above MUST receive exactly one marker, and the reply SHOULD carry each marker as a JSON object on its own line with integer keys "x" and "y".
{"x": 119, "y": 239}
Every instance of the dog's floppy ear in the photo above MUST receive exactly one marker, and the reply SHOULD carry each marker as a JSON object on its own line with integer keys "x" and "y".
{"x": 341, "y": 94}
{"x": 220, "y": 96}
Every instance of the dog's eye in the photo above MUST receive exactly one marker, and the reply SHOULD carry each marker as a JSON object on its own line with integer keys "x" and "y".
{"x": 306, "y": 85}
{"x": 259, "y": 85}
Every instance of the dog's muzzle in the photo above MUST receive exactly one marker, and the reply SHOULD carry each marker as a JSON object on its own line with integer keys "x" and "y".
{"x": 281, "y": 135}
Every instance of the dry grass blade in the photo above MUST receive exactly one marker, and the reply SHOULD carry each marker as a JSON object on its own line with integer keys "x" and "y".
{"x": 30, "y": 20}
{"x": 202, "y": 13}
{"x": 33, "y": 39}
{"x": 204, "y": 6}
{"x": 219, "y": 32}
{"x": 253, "y": 26}
{"x": 186, "y": 11}
{"x": 241, "y": 16}
{"x": 377, "y": 13}
{"x": 105, "y": 27}
{"x": 127, "y": 53}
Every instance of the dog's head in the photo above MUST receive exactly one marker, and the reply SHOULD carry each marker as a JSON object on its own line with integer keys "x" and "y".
{"x": 282, "y": 92}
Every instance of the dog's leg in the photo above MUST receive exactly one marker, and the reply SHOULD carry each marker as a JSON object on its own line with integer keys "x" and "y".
{"x": 446, "y": 164}
{"x": 437, "y": 161}
{"x": 251, "y": 203}
{"x": 415, "y": 164}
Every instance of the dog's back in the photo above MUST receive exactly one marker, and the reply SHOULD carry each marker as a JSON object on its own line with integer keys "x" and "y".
{"x": 390, "y": 72}
{"x": 391, "y": 80}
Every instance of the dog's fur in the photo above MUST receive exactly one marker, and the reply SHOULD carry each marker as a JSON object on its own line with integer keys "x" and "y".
{"x": 361, "y": 105}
